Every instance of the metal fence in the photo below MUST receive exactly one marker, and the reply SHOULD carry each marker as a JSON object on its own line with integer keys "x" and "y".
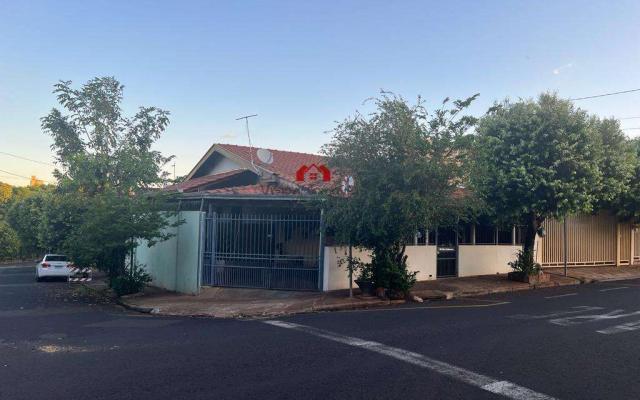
{"x": 262, "y": 251}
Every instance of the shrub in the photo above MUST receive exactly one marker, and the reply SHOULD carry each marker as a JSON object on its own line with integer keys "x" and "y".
{"x": 392, "y": 274}
{"x": 132, "y": 281}
{"x": 524, "y": 263}
{"x": 9, "y": 243}
{"x": 361, "y": 271}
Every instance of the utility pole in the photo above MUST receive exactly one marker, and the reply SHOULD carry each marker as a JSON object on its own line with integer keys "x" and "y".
{"x": 174, "y": 170}
{"x": 246, "y": 124}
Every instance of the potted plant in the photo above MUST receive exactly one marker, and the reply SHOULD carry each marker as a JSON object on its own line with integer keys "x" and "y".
{"x": 526, "y": 270}
{"x": 363, "y": 273}
{"x": 365, "y": 279}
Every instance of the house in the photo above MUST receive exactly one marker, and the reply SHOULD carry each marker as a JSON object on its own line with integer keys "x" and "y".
{"x": 248, "y": 222}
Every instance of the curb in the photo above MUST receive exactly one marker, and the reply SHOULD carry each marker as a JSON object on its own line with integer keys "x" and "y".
{"x": 145, "y": 310}
{"x": 356, "y": 306}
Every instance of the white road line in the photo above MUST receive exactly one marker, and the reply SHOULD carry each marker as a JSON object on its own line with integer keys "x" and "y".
{"x": 581, "y": 319}
{"x": 575, "y": 310}
{"x": 561, "y": 295}
{"x": 504, "y": 388}
{"x": 628, "y": 327}
{"x": 614, "y": 288}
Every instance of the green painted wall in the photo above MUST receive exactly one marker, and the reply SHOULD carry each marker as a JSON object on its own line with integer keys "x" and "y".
{"x": 175, "y": 263}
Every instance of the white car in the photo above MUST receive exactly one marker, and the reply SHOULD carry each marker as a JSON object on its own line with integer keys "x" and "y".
{"x": 53, "y": 265}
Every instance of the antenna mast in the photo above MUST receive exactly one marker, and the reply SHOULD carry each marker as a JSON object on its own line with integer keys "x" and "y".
{"x": 246, "y": 123}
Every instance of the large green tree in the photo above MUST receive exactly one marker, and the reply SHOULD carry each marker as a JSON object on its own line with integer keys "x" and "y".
{"x": 9, "y": 243}
{"x": 547, "y": 159}
{"x": 108, "y": 172}
{"x": 407, "y": 166}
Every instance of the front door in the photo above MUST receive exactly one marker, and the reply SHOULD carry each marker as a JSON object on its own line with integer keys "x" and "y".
{"x": 447, "y": 252}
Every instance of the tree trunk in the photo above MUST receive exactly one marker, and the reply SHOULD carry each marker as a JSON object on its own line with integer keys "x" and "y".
{"x": 533, "y": 224}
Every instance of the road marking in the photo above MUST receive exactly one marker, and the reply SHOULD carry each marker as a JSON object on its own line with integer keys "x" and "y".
{"x": 428, "y": 307}
{"x": 614, "y": 288}
{"x": 578, "y": 310}
{"x": 501, "y": 387}
{"x": 628, "y": 327}
{"x": 582, "y": 319}
{"x": 561, "y": 295}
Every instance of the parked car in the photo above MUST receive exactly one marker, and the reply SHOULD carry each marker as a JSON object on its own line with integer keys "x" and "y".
{"x": 53, "y": 265}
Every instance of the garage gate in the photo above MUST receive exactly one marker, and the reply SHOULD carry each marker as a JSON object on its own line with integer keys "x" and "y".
{"x": 262, "y": 251}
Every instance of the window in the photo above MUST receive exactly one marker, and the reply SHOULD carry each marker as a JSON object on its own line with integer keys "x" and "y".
{"x": 505, "y": 235}
{"x": 485, "y": 234}
{"x": 56, "y": 258}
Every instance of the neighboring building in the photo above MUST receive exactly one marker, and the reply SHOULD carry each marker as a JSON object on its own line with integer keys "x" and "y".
{"x": 248, "y": 222}
{"x": 35, "y": 182}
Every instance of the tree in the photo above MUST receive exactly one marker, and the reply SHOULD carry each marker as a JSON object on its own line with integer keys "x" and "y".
{"x": 545, "y": 159}
{"x": 406, "y": 165}
{"x": 627, "y": 203}
{"x": 106, "y": 199}
{"x": 25, "y": 215}
{"x": 9, "y": 243}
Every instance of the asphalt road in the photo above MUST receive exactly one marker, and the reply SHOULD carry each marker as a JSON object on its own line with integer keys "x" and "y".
{"x": 565, "y": 343}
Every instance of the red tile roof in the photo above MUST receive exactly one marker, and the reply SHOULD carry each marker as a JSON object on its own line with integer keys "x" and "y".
{"x": 259, "y": 189}
{"x": 285, "y": 163}
{"x": 194, "y": 183}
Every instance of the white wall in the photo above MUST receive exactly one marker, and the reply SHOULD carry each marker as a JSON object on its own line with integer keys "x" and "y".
{"x": 175, "y": 263}
{"x": 419, "y": 258}
{"x": 472, "y": 260}
{"x": 485, "y": 260}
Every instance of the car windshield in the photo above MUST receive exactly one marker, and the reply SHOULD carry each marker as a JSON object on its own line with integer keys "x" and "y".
{"x": 56, "y": 258}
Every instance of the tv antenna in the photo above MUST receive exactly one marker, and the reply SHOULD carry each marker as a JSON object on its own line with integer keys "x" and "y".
{"x": 246, "y": 124}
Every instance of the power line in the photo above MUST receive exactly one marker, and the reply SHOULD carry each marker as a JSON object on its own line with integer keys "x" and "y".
{"x": 628, "y": 129}
{"x": 605, "y": 94}
{"x": 18, "y": 175}
{"x": 628, "y": 118}
{"x": 27, "y": 159}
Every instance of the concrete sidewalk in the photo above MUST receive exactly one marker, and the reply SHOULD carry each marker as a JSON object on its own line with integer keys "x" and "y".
{"x": 256, "y": 303}
{"x": 598, "y": 274}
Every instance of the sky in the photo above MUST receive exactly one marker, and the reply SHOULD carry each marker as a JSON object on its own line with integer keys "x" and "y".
{"x": 303, "y": 65}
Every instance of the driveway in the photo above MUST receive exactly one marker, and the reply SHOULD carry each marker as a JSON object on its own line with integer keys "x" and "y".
{"x": 568, "y": 342}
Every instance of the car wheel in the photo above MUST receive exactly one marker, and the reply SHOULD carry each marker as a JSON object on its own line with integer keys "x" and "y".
{"x": 38, "y": 279}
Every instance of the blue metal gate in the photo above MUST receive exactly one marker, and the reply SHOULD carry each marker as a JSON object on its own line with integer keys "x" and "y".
{"x": 262, "y": 251}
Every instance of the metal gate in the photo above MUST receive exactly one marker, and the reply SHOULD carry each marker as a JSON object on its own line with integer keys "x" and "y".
{"x": 262, "y": 251}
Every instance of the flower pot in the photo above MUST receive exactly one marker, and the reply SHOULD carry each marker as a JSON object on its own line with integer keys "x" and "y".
{"x": 366, "y": 287}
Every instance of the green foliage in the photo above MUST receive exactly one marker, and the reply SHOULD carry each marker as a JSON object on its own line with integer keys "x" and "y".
{"x": 407, "y": 166}
{"x": 9, "y": 243}
{"x": 546, "y": 159}
{"x": 106, "y": 199}
{"x": 627, "y": 204}
{"x": 26, "y": 216}
{"x": 133, "y": 280}
{"x": 524, "y": 263}
{"x": 392, "y": 273}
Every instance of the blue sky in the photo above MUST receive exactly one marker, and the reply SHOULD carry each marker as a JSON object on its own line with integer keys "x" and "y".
{"x": 303, "y": 65}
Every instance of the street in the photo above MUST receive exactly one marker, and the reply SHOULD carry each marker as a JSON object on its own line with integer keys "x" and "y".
{"x": 574, "y": 342}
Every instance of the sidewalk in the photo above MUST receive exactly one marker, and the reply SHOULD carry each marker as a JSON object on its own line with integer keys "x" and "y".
{"x": 598, "y": 274}
{"x": 256, "y": 303}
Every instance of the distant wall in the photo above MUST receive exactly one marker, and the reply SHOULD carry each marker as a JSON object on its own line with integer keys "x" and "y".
{"x": 175, "y": 264}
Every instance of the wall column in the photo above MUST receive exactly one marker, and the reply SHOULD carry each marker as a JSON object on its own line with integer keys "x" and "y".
{"x": 633, "y": 245}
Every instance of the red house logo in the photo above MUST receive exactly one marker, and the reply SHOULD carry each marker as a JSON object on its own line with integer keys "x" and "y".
{"x": 313, "y": 173}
